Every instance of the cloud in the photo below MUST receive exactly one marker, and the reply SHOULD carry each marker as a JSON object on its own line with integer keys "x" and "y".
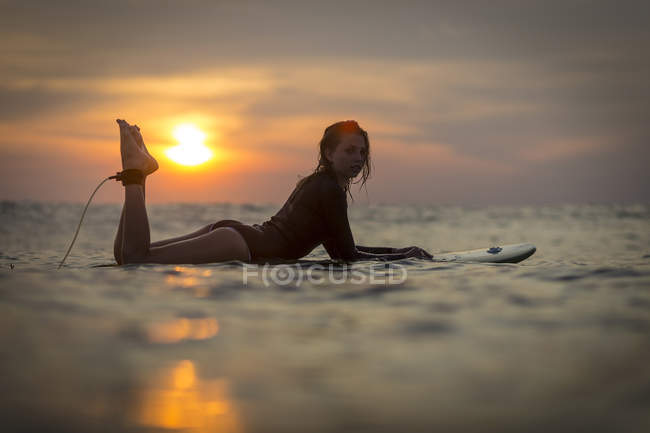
{"x": 148, "y": 37}
{"x": 565, "y": 148}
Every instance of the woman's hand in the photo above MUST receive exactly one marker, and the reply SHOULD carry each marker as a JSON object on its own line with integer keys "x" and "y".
{"x": 416, "y": 252}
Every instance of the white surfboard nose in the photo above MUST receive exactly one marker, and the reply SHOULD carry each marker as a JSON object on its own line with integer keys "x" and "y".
{"x": 513, "y": 253}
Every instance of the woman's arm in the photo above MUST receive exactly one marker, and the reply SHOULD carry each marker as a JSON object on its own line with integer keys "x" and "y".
{"x": 396, "y": 254}
{"x": 341, "y": 246}
{"x": 376, "y": 250}
{"x": 381, "y": 256}
{"x": 362, "y": 253}
{"x": 334, "y": 207}
{"x": 390, "y": 250}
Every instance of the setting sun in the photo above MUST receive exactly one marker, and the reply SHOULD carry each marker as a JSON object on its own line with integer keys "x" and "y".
{"x": 191, "y": 150}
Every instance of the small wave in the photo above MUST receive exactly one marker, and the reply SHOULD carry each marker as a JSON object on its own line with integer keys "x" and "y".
{"x": 639, "y": 303}
{"x": 375, "y": 291}
{"x": 444, "y": 307}
{"x": 522, "y": 301}
{"x": 626, "y": 323}
{"x": 427, "y": 327}
{"x": 566, "y": 275}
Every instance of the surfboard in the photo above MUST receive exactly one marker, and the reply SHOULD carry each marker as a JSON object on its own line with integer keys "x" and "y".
{"x": 514, "y": 253}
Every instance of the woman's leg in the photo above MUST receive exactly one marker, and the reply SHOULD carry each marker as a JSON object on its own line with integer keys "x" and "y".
{"x": 135, "y": 232}
{"x": 117, "y": 244}
{"x": 194, "y": 234}
{"x": 117, "y": 247}
{"x": 218, "y": 245}
{"x": 134, "y": 131}
{"x": 222, "y": 244}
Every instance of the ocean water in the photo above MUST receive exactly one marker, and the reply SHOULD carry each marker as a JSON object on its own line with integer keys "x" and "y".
{"x": 559, "y": 342}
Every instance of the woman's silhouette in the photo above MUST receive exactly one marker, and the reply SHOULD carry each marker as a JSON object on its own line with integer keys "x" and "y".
{"x": 314, "y": 214}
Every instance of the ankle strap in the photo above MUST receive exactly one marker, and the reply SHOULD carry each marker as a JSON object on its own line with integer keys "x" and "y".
{"x": 129, "y": 177}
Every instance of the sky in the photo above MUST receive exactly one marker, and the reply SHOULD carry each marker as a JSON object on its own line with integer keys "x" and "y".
{"x": 468, "y": 103}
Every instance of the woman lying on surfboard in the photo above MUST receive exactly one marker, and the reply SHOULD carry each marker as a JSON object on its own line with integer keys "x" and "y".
{"x": 314, "y": 214}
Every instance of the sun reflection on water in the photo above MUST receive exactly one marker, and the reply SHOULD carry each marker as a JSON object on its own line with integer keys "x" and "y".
{"x": 189, "y": 279}
{"x": 179, "y": 399}
{"x": 182, "y": 329}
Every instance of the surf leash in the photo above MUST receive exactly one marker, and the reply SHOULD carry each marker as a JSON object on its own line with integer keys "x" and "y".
{"x": 116, "y": 177}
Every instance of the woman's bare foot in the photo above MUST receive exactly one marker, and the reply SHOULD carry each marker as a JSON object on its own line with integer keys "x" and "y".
{"x": 135, "y": 131}
{"x": 133, "y": 151}
{"x": 133, "y": 156}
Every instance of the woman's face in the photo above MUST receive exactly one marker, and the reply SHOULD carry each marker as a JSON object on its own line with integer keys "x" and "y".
{"x": 349, "y": 156}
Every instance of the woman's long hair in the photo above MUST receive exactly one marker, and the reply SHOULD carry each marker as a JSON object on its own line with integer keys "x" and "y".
{"x": 331, "y": 138}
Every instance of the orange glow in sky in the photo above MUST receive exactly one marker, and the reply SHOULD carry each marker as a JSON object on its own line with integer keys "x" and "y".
{"x": 239, "y": 115}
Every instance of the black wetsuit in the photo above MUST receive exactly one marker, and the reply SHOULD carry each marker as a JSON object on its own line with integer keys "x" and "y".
{"x": 315, "y": 213}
